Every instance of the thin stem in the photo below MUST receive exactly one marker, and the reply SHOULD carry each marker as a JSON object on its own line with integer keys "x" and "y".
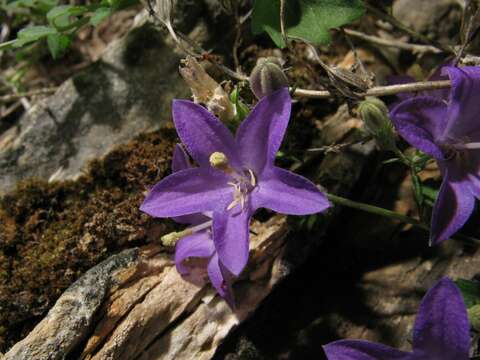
{"x": 13, "y": 97}
{"x": 380, "y": 90}
{"x": 402, "y": 27}
{"x": 376, "y": 210}
{"x": 415, "y": 48}
{"x": 282, "y": 23}
{"x": 393, "y": 215}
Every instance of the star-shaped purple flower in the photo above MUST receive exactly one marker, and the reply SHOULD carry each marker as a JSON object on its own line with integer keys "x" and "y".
{"x": 448, "y": 130}
{"x": 441, "y": 332}
{"x": 235, "y": 176}
{"x": 195, "y": 254}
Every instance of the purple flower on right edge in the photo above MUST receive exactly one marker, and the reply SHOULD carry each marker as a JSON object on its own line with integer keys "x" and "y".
{"x": 441, "y": 332}
{"x": 448, "y": 129}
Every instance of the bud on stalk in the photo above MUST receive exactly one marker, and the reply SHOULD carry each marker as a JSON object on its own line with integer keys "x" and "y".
{"x": 267, "y": 76}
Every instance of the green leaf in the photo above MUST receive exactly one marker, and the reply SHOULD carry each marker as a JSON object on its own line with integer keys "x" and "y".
{"x": 470, "y": 291}
{"x": 58, "y": 44}
{"x": 241, "y": 110}
{"x": 59, "y": 16}
{"x": 99, "y": 15}
{"x": 32, "y": 34}
{"x": 309, "y": 20}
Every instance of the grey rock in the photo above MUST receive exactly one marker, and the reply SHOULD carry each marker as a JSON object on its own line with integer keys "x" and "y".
{"x": 127, "y": 92}
{"x": 424, "y": 15}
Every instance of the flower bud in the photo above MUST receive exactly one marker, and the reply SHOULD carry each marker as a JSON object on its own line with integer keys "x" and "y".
{"x": 218, "y": 160}
{"x": 267, "y": 76}
{"x": 374, "y": 114}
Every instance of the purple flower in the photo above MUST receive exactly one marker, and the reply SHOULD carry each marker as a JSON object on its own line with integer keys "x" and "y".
{"x": 441, "y": 332}
{"x": 195, "y": 254}
{"x": 235, "y": 176}
{"x": 449, "y": 131}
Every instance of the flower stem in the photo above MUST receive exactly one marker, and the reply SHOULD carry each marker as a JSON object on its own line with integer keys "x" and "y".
{"x": 376, "y": 210}
{"x": 393, "y": 215}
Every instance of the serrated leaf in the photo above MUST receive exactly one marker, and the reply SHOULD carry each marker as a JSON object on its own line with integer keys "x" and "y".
{"x": 309, "y": 20}
{"x": 99, "y": 15}
{"x": 32, "y": 34}
{"x": 470, "y": 291}
{"x": 58, "y": 44}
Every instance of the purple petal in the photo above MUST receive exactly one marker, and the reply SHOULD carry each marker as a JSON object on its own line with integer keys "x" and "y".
{"x": 453, "y": 207}
{"x": 187, "y": 192}
{"x": 230, "y": 234}
{"x": 198, "y": 248}
{"x": 441, "y": 329}
{"x": 221, "y": 280}
{"x": 261, "y": 133}
{"x": 420, "y": 121}
{"x": 180, "y": 159}
{"x": 202, "y": 133}
{"x": 196, "y": 245}
{"x": 473, "y": 160}
{"x": 288, "y": 193}
{"x": 464, "y": 102}
{"x": 362, "y": 350}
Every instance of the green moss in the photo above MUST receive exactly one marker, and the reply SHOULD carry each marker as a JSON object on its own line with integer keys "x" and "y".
{"x": 50, "y": 234}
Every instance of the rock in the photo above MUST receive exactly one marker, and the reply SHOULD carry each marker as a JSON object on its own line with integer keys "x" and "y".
{"x": 127, "y": 92}
{"x": 424, "y": 16}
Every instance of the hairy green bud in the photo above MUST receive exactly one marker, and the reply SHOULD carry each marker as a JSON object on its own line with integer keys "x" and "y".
{"x": 267, "y": 76}
{"x": 374, "y": 114}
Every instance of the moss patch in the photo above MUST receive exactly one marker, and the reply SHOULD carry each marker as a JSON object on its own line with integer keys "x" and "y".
{"x": 50, "y": 234}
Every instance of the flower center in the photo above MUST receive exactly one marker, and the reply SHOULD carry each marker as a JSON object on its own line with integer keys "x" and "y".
{"x": 242, "y": 181}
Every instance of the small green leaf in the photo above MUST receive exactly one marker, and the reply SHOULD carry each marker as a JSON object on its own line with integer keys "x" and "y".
{"x": 241, "y": 110}
{"x": 32, "y": 34}
{"x": 470, "y": 291}
{"x": 99, "y": 15}
{"x": 58, "y": 44}
{"x": 309, "y": 20}
{"x": 59, "y": 16}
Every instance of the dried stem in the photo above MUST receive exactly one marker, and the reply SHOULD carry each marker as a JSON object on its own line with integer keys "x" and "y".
{"x": 380, "y": 90}
{"x": 415, "y": 48}
{"x": 405, "y": 29}
{"x": 13, "y": 97}
{"x": 282, "y": 23}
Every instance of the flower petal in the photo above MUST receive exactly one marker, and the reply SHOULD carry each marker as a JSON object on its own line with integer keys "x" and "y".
{"x": 288, "y": 193}
{"x": 260, "y": 135}
{"x": 453, "y": 207}
{"x": 180, "y": 160}
{"x": 188, "y": 191}
{"x": 221, "y": 280}
{"x": 420, "y": 121}
{"x": 441, "y": 329}
{"x": 464, "y": 101}
{"x": 230, "y": 234}
{"x": 198, "y": 245}
{"x": 362, "y": 350}
{"x": 202, "y": 133}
